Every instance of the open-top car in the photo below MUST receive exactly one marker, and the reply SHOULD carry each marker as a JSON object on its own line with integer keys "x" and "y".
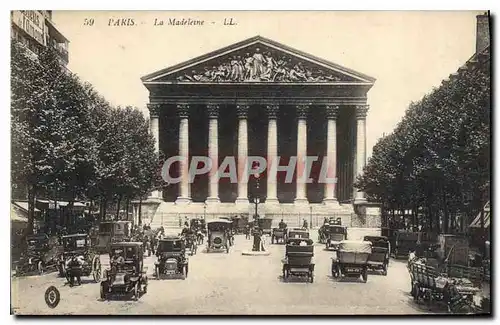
{"x": 219, "y": 233}
{"x": 298, "y": 258}
{"x": 41, "y": 252}
{"x": 300, "y": 233}
{"x": 379, "y": 258}
{"x": 351, "y": 259}
{"x": 126, "y": 275}
{"x": 79, "y": 258}
{"x": 334, "y": 235}
{"x": 172, "y": 258}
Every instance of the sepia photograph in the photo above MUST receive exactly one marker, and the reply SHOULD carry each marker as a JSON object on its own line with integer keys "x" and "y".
{"x": 250, "y": 163}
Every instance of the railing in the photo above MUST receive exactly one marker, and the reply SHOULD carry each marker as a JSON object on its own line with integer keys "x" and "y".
{"x": 169, "y": 219}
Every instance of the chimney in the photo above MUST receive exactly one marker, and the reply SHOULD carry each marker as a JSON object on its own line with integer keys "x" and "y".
{"x": 482, "y": 32}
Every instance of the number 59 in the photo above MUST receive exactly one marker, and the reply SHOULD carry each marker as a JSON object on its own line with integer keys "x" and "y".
{"x": 88, "y": 22}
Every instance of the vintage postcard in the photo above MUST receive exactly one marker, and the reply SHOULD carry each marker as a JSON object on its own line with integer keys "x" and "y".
{"x": 250, "y": 163}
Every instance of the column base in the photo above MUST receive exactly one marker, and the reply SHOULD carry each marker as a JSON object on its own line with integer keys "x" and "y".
{"x": 272, "y": 200}
{"x": 183, "y": 200}
{"x": 301, "y": 201}
{"x": 330, "y": 201}
{"x": 360, "y": 200}
{"x": 155, "y": 195}
{"x": 241, "y": 201}
{"x": 212, "y": 200}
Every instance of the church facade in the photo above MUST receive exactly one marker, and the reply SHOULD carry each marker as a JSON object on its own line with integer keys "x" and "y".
{"x": 260, "y": 98}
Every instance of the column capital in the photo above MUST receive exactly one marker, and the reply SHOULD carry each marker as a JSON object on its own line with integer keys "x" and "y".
{"x": 332, "y": 112}
{"x": 183, "y": 110}
{"x": 302, "y": 111}
{"x": 272, "y": 111}
{"x": 361, "y": 111}
{"x": 242, "y": 111}
{"x": 154, "y": 109}
{"x": 213, "y": 110}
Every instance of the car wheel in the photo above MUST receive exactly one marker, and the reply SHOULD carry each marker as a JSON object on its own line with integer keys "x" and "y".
{"x": 311, "y": 277}
{"x": 187, "y": 270}
{"x": 157, "y": 272}
{"x": 364, "y": 275}
{"x": 384, "y": 269}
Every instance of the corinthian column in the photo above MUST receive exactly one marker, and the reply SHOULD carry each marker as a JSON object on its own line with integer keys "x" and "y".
{"x": 360, "y": 147}
{"x": 213, "y": 153}
{"x": 331, "y": 153}
{"x": 154, "y": 112}
{"x": 272, "y": 153}
{"x": 184, "y": 191}
{"x": 242, "y": 112}
{"x": 301, "y": 153}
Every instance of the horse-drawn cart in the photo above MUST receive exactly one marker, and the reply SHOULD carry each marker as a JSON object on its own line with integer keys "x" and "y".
{"x": 428, "y": 285}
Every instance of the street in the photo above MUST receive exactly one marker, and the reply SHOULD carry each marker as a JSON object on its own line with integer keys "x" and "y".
{"x": 220, "y": 283}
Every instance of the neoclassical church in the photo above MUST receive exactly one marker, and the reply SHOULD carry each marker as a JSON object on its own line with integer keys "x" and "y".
{"x": 259, "y": 98}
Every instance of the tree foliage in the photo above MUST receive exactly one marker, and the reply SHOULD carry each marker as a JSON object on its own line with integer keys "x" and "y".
{"x": 68, "y": 142}
{"x": 438, "y": 157}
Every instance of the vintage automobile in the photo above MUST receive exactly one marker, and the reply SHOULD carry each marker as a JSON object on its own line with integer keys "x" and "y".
{"x": 76, "y": 245}
{"x": 298, "y": 233}
{"x": 298, "y": 258}
{"x": 404, "y": 242}
{"x": 379, "y": 258}
{"x": 172, "y": 258}
{"x": 42, "y": 252}
{"x": 126, "y": 275}
{"x": 265, "y": 224}
{"x": 351, "y": 259}
{"x": 111, "y": 232}
{"x": 279, "y": 235}
{"x": 218, "y": 235}
{"x": 335, "y": 234}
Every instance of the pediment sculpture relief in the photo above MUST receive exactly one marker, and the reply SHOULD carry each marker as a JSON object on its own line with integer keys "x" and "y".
{"x": 261, "y": 66}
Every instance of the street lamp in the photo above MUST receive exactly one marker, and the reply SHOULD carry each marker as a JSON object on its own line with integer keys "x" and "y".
{"x": 204, "y": 211}
{"x": 256, "y": 198}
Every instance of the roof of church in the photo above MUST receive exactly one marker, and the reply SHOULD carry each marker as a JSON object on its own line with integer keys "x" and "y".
{"x": 354, "y": 76}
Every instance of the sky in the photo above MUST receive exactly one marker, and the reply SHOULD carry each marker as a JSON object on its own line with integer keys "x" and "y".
{"x": 408, "y": 53}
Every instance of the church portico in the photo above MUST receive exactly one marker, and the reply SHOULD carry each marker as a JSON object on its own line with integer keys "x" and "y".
{"x": 260, "y": 98}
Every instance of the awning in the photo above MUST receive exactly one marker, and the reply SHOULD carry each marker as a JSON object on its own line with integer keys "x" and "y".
{"x": 16, "y": 215}
{"x": 23, "y": 206}
{"x": 476, "y": 223}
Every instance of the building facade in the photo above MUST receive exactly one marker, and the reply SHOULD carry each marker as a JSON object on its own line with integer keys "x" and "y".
{"x": 36, "y": 30}
{"x": 260, "y": 98}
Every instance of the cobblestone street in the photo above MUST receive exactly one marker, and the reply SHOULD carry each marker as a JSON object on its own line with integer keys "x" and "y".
{"x": 220, "y": 283}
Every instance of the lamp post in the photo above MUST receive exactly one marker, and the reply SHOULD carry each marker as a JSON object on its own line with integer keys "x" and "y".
{"x": 256, "y": 197}
{"x": 204, "y": 211}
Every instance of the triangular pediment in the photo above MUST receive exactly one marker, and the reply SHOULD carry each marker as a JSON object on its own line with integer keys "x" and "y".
{"x": 257, "y": 60}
